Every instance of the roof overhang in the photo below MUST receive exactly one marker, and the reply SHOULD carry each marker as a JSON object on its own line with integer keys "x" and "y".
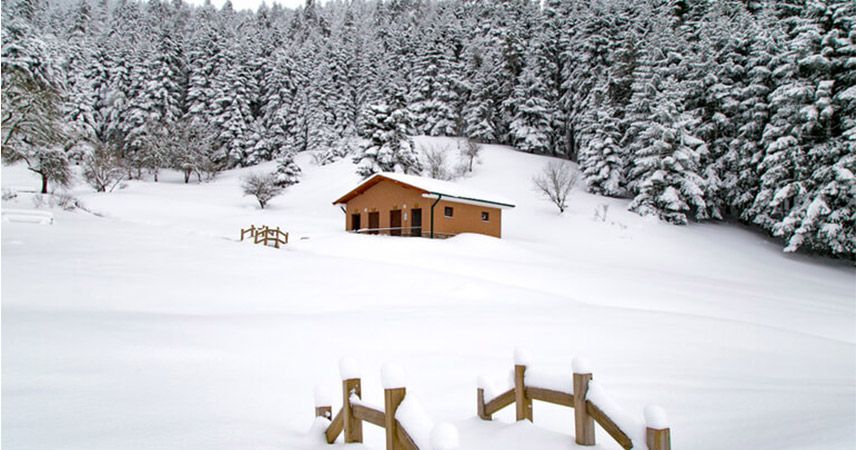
{"x": 467, "y": 201}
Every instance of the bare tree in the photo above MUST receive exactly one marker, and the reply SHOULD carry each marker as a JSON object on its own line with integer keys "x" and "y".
{"x": 261, "y": 186}
{"x": 103, "y": 170}
{"x": 435, "y": 163}
{"x": 470, "y": 151}
{"x": 556, "y": 181}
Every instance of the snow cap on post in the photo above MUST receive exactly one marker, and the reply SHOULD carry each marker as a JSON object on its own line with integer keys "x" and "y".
{"x": 521, "y": 357}
{"x": 444, "y": 436}
{"x": 349, "y": 369}
{"x": 323, "y": 397}
{"x": 655, "y": 418}
{"x": 581, "y": 365}
{"x": 392, "y": 376}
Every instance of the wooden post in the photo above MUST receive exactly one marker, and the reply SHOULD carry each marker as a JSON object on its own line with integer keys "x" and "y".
{"x": 353, "y": 426}
{"x": 324, "y": 411}
{"x": 524, "y": 405}
{"x": 583, "y": 422}
{"x": 391, "y": 399}
{"x": 658, "y": 439}
{"x": 480, "y": 405}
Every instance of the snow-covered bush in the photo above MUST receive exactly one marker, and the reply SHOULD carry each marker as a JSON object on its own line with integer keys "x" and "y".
{"x": 261, "y": 186}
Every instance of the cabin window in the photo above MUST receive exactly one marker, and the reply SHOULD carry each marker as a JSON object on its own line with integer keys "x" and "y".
{"x": 485, "y": 216}
{"x": 448, "y": 211}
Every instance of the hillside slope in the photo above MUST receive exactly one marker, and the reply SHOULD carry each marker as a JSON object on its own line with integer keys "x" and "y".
{"x": 153, "y": 327}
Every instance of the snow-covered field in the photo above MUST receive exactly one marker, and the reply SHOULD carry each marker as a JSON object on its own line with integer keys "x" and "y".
{"x": 151, "y": 326}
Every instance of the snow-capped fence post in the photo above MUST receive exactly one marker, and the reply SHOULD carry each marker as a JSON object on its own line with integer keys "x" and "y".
{"x": 523, "y": 403}
{"x": 351, "y": 385}
{"x": 393, "y": 394}
{"x": 583, "y": 422}
{"x": 323, "y": 403}
{"x": 657, "y": 429}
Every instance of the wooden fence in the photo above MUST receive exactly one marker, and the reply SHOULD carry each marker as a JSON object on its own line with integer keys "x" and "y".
{"x": 403, "y": 232}
{"x": 349, "y": 420}
{"x": 586, "y": 411}
{"x": 265, "y": 235}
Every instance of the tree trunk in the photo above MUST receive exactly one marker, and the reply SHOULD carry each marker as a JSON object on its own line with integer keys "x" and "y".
{"x": 186, "y": 176}
{"x": 44, "y": 184}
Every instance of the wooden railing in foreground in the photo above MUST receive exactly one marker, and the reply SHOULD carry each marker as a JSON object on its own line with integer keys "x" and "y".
{"x": 586, "y": 412}
{"x": 349, "y": 419}
{"x": 265, "y": 235}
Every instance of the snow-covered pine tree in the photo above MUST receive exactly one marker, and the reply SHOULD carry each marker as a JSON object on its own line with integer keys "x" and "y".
{"x": 601, "y": 158}
{"x": 287, "y": 171}
{"x": 388, "y": 148}
{"x": 532, "y": 127}
{"x": 432, "y": 111}
{"x": 670, "y": 186}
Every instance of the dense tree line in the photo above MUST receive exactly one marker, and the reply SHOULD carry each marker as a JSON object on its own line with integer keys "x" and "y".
{"x": 694, "y": 109}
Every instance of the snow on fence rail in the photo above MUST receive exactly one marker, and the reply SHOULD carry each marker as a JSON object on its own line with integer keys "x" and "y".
{"x": 407, "y": 425}
{"x": 588, "y": 399}
{"x": 265, "y": 235}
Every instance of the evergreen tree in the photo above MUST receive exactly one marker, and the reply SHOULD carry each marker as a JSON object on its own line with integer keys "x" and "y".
{"x": 287, "y": 171}
{"x": 388, "y": 148}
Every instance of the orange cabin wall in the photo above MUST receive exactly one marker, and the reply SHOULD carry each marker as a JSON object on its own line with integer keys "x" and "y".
{"x": 387, "y": 195}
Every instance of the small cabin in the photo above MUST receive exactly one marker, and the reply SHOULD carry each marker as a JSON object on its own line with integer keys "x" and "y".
{"x": 409, "y": 205}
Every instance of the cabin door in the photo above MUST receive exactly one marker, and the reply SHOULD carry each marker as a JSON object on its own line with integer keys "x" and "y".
{"x": 355, "y": 222}
{"x": 395, "y": 222}
{"x": 416, "y": 222}
{"x": 374, "y": 222}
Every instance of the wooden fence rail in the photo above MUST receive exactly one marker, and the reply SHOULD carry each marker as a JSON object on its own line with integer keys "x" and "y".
{"x": 349, "y": 420}
{"x": 265, "y": 235}
{"x": 586, "y": 412}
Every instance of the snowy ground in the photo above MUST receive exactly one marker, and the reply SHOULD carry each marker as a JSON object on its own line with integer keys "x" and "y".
{"x": 153, "y": 327}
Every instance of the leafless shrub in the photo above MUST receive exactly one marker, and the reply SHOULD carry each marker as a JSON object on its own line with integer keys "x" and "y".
{"x": 556, "y": 181}
{"x": 65, "y": 200}
{"x": 103, "y": 170}
{"x": 435, "y": 163}
{"x": 261, "y": 186}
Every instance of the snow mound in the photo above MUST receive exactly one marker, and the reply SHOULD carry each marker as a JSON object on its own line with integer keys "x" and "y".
{"x": 581, "y": 365}
{"x": 632, "y": 427}
{"x": 323, "y": 396}
{"x": 415, "y": 420}
{"x": 655, "y": 417}
{"x": 521, "y": 357}
{"x": 392, "y": 376}
{"x": 349, "y": 368}
{"x": 560, "y": 382}
{"x": 489, "y": 388}
{"x": 444, "y": 436}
